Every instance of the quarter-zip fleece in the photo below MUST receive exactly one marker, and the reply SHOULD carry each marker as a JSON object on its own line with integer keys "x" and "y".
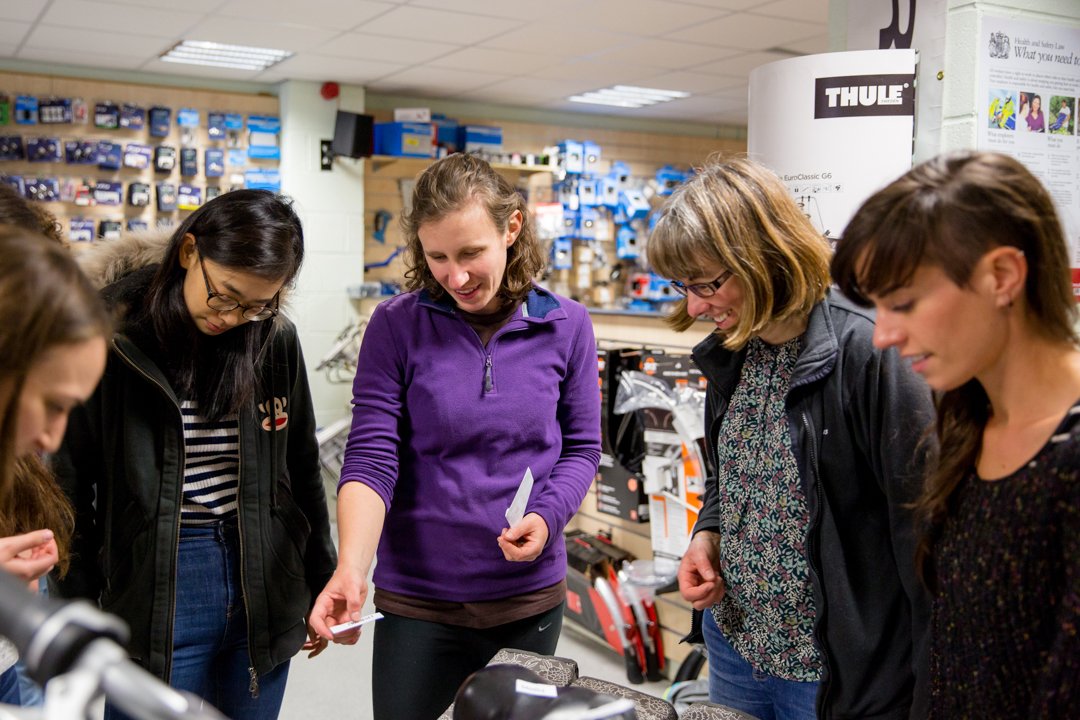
{"x": 122, "y": 465}
{"x": 444, "y": 428}
{"x": 858, "y": 419}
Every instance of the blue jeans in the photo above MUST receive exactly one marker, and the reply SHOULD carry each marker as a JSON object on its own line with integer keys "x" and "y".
{"x": 9, "y": 687}
{"x": 210, "y": 638}
{"x": 735, "y": 683}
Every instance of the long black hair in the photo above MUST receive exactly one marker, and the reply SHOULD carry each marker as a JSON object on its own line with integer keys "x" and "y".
{"x": 249, "y": 231}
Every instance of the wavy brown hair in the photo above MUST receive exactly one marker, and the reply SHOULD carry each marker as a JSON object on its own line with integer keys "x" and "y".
{"x": 448, "y": 185}
{"x": 45, "y": 301}
{"x": 948, "y": 213}
{"x": 737, "y": 214}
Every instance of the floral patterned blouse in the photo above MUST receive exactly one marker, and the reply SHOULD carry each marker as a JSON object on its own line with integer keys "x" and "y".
{"x": 767, "y": 613}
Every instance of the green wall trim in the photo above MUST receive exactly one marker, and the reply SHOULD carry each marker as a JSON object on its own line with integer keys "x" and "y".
{"x": 513, "y": 113}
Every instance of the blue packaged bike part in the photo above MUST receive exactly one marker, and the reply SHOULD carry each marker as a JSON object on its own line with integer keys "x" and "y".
{"x": 54, "y": 111}
{"x": 214, "y": 158}
{"x": 164, "y": 158}
{"x": 189, "y": 162}
{"x": 44, "y": 149}
{"x": 26, "y": 110}
{"x": 166, "y": 197}
{"x": 132, "y": 117}
{"x": 108, "y": 155}
{"x": 107, "y": 192}
{"x": 160, "y": 121}
{"x": 137, "y": 155}
{"x": 82, "y": 230}
{"x": 80, "y": 152}
{"x": 188, "y": 197}
{"x": 106, "y": 116}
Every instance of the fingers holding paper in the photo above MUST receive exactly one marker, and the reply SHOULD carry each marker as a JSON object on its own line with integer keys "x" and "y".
{"x": 526, "y": 540}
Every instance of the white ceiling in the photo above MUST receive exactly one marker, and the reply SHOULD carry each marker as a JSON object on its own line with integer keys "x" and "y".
{"x": 532, "y": 53}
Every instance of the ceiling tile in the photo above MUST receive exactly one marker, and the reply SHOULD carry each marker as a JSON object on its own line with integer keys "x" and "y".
{"x": 337, "y": 14}
{"x": 89, "y": 44}
{"x": 486, "y": 59}
{"x": 529, "y": 91}
{"x": 513, "y": 9}
{"x": 157, "y": 66}
{"x": 600, "y": 74}
{"x": 740, "y": 65}
{"x": 395, "y": 50}
{"x": 13, "y": 32}
{"x": 559, "y": 39}
{"x": 810, "y": 46}
{"x": 195, "y": 7}
{"x": 258, "y": 33}
{"x": 149, "y": 22}
{"x": 726, "y": 4}
{"x": 641, "y": 17}
{"x": 418, "y": 23}
{"x": 343, "y": 70}
{"x": 665, "y": 53}
{"x": 696, "y": 83}
{"x": 749, "y": 32}
{"x": 67, "y": 56}
{"x": 434, "y": 82}
{"x": 26, "y": 10}
{"x": 815, "y": 11}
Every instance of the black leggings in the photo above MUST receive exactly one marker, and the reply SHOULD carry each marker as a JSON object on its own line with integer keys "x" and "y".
{"x": 419, "y": 665}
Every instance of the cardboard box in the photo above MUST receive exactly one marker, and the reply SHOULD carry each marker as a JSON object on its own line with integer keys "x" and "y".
{"x": 620, "y": 490}
{"x": 412, "y": 115}
{"x": 674, "y": 478}
{"x": 404, "y": 139}
{"x": 480, "y": 138}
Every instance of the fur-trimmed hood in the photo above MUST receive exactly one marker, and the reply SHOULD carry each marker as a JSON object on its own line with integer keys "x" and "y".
{"x": 109, "y": 261}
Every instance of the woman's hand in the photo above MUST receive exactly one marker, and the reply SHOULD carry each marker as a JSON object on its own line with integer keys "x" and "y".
{"x": 700, "y": 583}
{"x": 30, "y": 555}
{"x": 525, "y": 541}
{"x": 315, "y": 644}
{"x": 339, "y": 602}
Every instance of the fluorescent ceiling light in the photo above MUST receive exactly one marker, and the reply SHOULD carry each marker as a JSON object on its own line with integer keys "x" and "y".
{"x": 628, "y": 96}
{"x": 237, "y": 57}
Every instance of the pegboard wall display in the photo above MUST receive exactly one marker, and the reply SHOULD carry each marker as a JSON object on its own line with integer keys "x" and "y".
{"x": 593, "y": 208}
{"x": 108, "y": 158}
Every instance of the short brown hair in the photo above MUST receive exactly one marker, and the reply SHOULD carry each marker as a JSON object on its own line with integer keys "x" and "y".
{"x": 448, "y": 185}
{"x": 736, "y": 213}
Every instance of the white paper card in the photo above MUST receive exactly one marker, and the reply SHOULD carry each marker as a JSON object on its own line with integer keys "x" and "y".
{"x": 346, "y": 626}
{"x": 516, "y": 511}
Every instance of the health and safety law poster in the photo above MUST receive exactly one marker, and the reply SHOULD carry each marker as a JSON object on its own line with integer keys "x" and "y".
{"x": 1029, "y": 82}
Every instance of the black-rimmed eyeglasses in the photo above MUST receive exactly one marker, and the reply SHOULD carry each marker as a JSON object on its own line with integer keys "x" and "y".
{"x": 702, "y": 290}
{"x": 221, "y": 302}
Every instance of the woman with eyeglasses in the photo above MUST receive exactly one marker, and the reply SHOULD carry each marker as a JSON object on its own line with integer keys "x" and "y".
{"x": 802, "y": 556}
{"x": 200, "y": 512}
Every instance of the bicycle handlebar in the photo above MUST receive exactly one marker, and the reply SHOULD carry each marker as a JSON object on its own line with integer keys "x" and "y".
{"x": 56, "y": 637}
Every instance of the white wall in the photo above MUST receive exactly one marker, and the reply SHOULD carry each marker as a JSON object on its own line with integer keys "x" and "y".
{"x": 962, "y": 50}
{"x": 331, "y": 206}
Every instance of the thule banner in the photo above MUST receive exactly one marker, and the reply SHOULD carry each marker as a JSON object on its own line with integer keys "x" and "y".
{"x": 864, "y": 96}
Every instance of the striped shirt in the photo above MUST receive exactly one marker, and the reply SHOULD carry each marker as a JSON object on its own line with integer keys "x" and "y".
{"x": 211, "y": 466}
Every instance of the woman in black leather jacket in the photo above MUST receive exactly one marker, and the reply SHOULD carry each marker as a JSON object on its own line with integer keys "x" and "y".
{"x": 802, "y": 554}
{"x": 200, "y": 512}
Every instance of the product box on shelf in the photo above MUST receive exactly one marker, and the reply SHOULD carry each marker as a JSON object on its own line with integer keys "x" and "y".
{"x": 672, "y": 464}
{"x": 620, "y": 490}
{"x": 480, "y": 138}
{"x": 404, "y": 139}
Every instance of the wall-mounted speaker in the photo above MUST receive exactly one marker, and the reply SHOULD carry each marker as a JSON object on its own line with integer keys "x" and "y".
{"x": 354, "y": 135}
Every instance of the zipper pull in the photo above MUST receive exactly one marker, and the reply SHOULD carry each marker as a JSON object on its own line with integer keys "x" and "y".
{"x": 487, "y": 374}
{"x": 253, "y": 685}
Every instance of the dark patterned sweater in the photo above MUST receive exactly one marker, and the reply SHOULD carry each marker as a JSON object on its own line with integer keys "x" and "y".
{"x": 1006, "y": 618}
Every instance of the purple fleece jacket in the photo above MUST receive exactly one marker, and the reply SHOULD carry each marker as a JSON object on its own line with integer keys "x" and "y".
{"x": 443, "y": 429}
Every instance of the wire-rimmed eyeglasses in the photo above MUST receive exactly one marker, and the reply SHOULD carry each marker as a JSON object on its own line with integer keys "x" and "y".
{"x": 702, "y": 290}
{"x": 220, "y": 302}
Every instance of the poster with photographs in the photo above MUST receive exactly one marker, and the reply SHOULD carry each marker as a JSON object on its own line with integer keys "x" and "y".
{"x": 1029, "y": 82}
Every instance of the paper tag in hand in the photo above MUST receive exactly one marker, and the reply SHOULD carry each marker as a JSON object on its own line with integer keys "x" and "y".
{"x": 353, "y": 624}
{"x": 516, "y": 511}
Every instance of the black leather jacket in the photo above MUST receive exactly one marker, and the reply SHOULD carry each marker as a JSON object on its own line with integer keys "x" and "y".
{"x": 122, "y": 465}
{"x": 858, "y": 418}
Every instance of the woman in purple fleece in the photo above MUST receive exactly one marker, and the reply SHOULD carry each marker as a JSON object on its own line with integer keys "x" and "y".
{"x": 464, "y": 382}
